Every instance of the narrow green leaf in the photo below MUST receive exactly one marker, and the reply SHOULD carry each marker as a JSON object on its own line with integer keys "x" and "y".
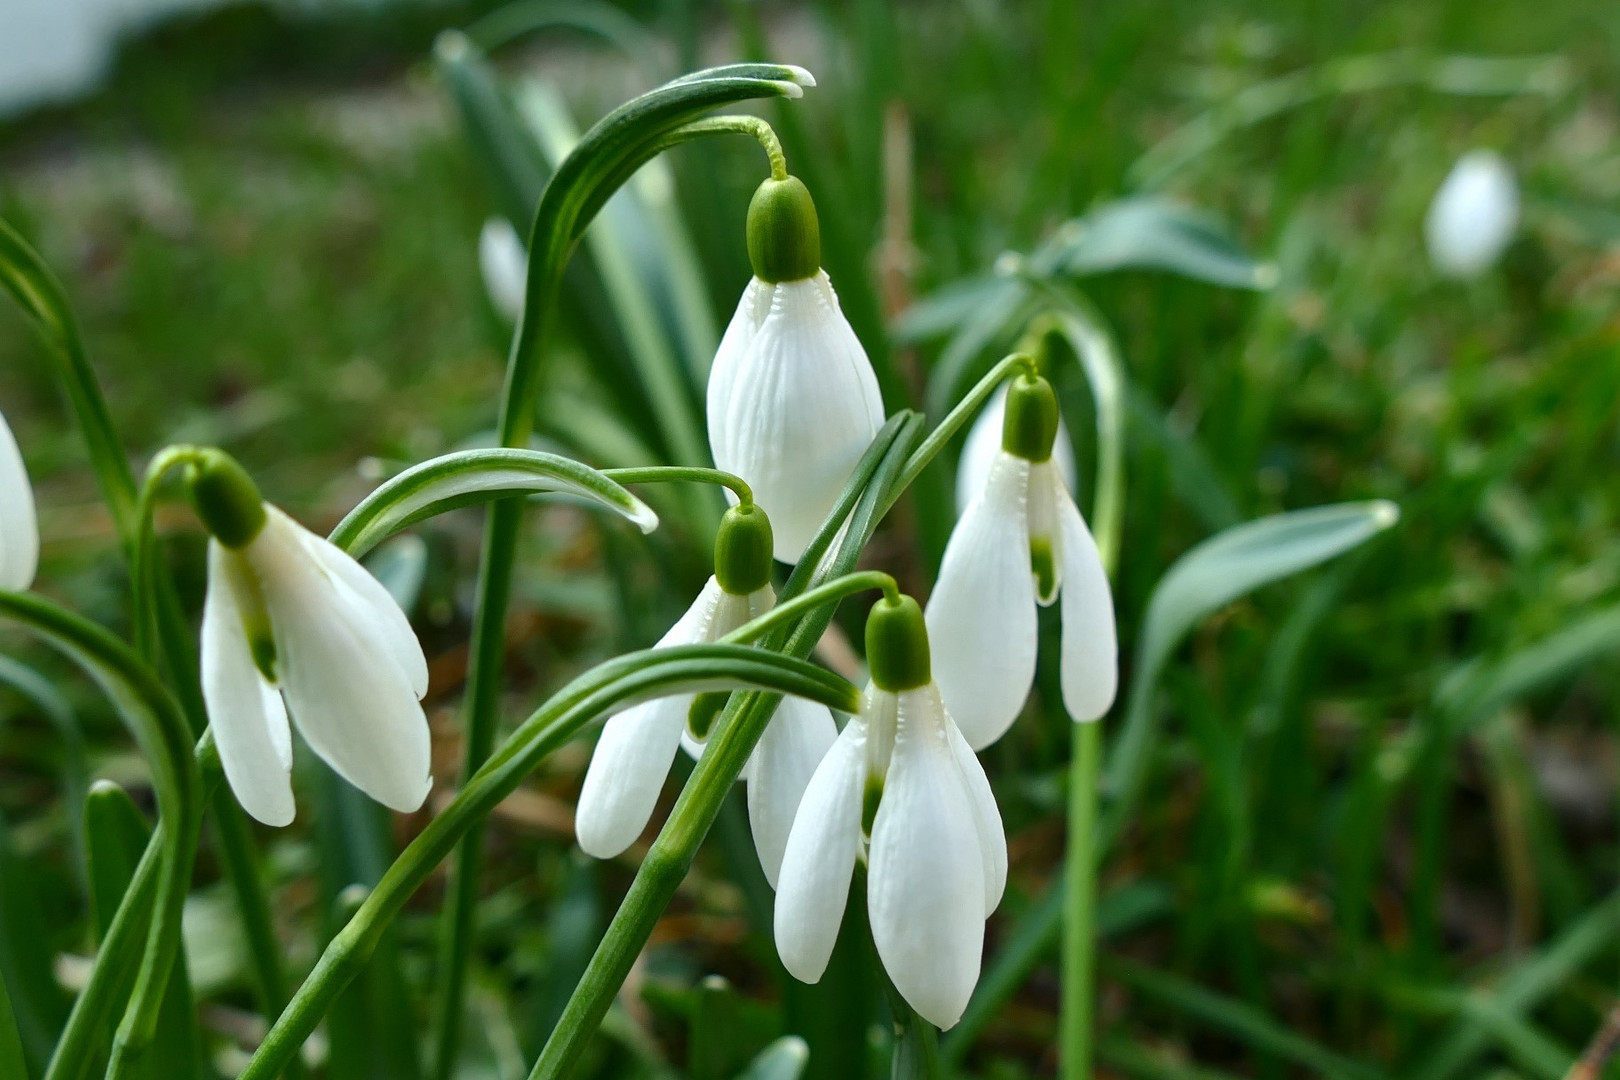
{"x": 1150, "y": 233}
{"x": 467, "y": 476}
{"x": 1487, "y": 687}
{"x": 714, "y": 1049}
{"x": 38, "y": 1006}
{"x": 56, "y": 710}
{"x": 947, "y": 308}
{"x": 11, "y": 1049}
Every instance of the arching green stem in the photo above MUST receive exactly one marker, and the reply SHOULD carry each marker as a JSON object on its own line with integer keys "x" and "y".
{"x": 670, "y": 474}
{"x": 801, "y": 605}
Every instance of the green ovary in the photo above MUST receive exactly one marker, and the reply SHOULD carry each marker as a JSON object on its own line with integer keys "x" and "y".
{"x": 1043, "y": 564}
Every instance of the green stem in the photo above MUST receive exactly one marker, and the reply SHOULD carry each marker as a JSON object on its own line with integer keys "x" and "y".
{"x": 608, "y": 155}
{"x": 733, "y": 125}
{"x": 633, "y": 677}
{"x": 664, "y": 474}
{"x": 801, "y": 605}
{"x": 1075, "y": 1049}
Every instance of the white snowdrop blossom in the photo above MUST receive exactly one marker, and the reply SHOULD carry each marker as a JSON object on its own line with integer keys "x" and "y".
{"x": 792, "y": 399}
{"x": 902, "y": 791}
{"x": 1473, "y": 216}
{"x": 19, "y": 529}
{"x": 1021, "y": 542}
{"x": 504, "y": 265}
{"x": 292, "y": 625}
{"x": 983, "y": 443}
{"x": 637, "y": 746}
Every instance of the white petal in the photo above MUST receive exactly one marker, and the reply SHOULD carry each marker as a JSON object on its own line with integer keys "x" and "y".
{"x": 982, "y": 621}
{"x": 793, "y": 412}
{"x": 19, "y": 529}
{"x": 731, "y": 358}
{"x": 393, "y": 626}
{"x": 986, "y": 819}
{"x": 983, "y": 443}
{"x": 926, "y": 890}
{"x": 1473, "y": 216}
{"x": 1090, "y": 661}
{"x": 626, "y": 774}
{"x": 820, "y": 858}
{"x": 505, "y": 266}
{"x": 337, "y": 667}
{"x": 246, "y": 714}
{"x": 795, "y": 741}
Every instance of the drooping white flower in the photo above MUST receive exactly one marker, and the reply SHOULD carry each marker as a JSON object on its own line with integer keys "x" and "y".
{"x": 637, "y": 746}
{"x": 983, "y": 443}
{"x": 792, "y": 399}
{"x": 1473, "y": 216}
{"x": 901, "y": 790}
{"x": 1020, "y": 543}
{"x": 293, "y": 625}
{"x": 19, "y": 529}
{"x": 504, "y": 265}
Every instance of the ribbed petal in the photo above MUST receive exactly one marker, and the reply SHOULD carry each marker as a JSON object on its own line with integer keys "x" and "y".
{"x": 795, "y": 741}
{"x": 19, "y": 530}
{"x": 986, "y": 819}
{"x": 391, "y": 622}
{"x": 1090, "y": 661}
{"x": 982, "y": 621}
{"x": 926, "y": 890}
{"x": 337, "y": 667}
{"x": 637, "y": 746}
{"x": 984, "y": 443}
{"x": 792, "y": 413}
{"x": 246, "y": 714}
{"x": 820, "y": 858}
{"x": 504, "y": 265}
{"x": 730, "y": 359}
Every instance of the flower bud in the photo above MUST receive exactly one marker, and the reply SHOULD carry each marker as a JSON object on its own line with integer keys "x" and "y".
{"x": 897, "y": 645}
{"x": 1031, "y": 423}
{"x": 742, "y": 550}
{"x": 225, "y": 497}
{"x": 784, "y": 236}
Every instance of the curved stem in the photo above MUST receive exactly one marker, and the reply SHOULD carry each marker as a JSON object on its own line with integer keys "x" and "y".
{"x": 666, "y": 474}
{"x": 732, "y": 125}
{"x": 801, "y": 605}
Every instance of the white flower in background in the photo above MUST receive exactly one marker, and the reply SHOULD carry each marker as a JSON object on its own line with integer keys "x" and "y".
{"x": 1473, "y": 216}
{"x": 901, "y": 790}
{"x": 505, "y": 266}
{"x": 792, "y": 400}
{"x": 292, "y": 624}
{"x": 983, "y": 444}
{"x": 1021, "y": 542}
{"x": 637, "y": 746}
{"x": 19, "y": 530}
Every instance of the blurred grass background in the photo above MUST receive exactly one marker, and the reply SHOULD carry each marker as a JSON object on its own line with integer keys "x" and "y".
{"x": 1381, "y": 826}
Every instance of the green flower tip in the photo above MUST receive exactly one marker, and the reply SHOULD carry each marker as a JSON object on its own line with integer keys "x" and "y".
{"x": 225, "y": 497}
{"x": 1031, "y": 422}
{"x": 784, "y": 235}
{"x": 742, "y": 550}
{"x": 897, "y": 645}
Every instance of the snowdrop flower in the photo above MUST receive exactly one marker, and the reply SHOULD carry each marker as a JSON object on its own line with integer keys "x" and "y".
{"x": 505, "y": 267}
{"x": 291, "y": 624}
{"x": 901, "y": 790}
{"x": 1021, "y": 542}
{"x": 983, "y": 443}
{"x": 19, "y": 530}
{"x": 1473, "y": 215}
{"x": 792, "y": 400}
{"x": 637, "y": 746}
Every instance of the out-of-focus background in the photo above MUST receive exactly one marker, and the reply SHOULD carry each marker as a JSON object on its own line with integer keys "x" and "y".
{"x": 1380, "y": 832}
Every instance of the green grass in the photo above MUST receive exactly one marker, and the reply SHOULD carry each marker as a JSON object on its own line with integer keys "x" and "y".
{"x": 1382, "y": 811}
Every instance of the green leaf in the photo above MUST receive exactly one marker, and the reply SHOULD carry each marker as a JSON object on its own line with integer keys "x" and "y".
{"x": 56, "y": 710}
{"x": 784, "y": 1059}
{"x": 1150, "y": 233}
{"x": 11, "y": 1050}
{"x": 470, "y": 476}
{"x": 949, "y": 307}
{"x": 38, "y": 1007}
{"x": 1204, "y": 580}
{"x": 1483, "y": 688}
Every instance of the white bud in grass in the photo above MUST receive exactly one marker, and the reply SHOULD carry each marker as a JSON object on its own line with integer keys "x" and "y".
{"x": 19, "y": 529}
{"x": 792, "y": 399}
{"x": 293, "y": 625}
{"x": 900, "y": 789}
{"x": 1021, "y": 542}
{"x": 505, "y": 266}
{"x": 637, "y": 746}
{"x": 1473, "y": 216}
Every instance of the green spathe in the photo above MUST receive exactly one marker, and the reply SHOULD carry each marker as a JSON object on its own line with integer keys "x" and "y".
{"x": 225, "y": 497}
{"x": 897, "y": 645}
{"x": 1031, "y": 423}
{"x": 784, "y": 235}
{"x": 742, "y": 550}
